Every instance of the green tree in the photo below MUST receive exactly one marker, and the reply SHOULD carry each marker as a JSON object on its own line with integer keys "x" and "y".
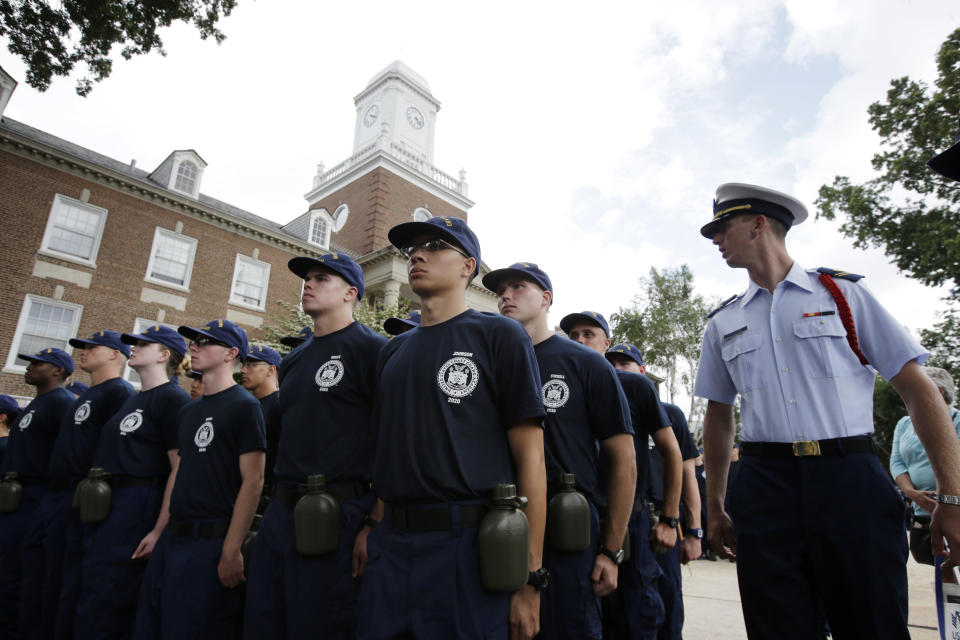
{"x": 943, "y": 340}
{"x": 666, "y": 321}
{"x": 888, "y": 408}
{"x": 53, "y": 37}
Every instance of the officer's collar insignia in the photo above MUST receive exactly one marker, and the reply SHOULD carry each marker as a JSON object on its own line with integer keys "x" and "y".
{"x": 852, "y": 277}
{"x": 723, "y": 305}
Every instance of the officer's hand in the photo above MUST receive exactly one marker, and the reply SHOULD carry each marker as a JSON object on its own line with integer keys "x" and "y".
{"x": 145, "y": 548}
{"x": 721, "y": 539}
{"x": 923, "y": 499}
{"x": 690, "y": 549}
{"x": 663, "y": 537}
{"x": 230, "y": 569}
{"x": 524, "y": 613}
{"x": 945, "y": 523}
{"x": 604, "y": 576}
{"x": 360, "y": 551}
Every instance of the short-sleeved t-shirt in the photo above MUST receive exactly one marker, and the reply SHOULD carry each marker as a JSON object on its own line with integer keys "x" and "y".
{"x": 688, "y": 450}
{"x": 80, "y": 427}
{"x": 34, "y": 432}
{"x": 135, "y": 441}
{"x": 270, "y": 405}
{"x": 446, "y": 396}
{"x": 585, "y": 404}
{"x": 214, "y": 431}
{"x": 326, "y": 402}
{"x": 648, "y": 417}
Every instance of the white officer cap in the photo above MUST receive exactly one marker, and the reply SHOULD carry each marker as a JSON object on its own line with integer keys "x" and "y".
{"x": 735, "y": 198}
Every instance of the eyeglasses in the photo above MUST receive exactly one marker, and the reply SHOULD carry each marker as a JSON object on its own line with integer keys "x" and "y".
{"x": 203, "y": 341}
{"x": 431, "y": 246}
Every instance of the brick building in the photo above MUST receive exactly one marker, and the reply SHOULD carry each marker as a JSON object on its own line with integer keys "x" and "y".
{"x": 95, "y": 243}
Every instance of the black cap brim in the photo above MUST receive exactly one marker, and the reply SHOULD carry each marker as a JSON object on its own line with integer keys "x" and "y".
{"x": 947, "y": 163}
{"x": 80, "y": 343}
{"x": 292, "y": 341}
{"x": 396, "y": 326}
{"x": 493, "y": 279}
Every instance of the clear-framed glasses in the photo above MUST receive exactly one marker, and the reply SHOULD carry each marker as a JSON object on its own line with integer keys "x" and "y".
{"x": 430, "y": 246}
{"x": 203, "y": 341}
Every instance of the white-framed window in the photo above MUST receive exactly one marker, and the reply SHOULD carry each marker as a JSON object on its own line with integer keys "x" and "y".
{"x": 250, "y": 280}
{"x": 139, "y": 325}
{"x": 74, "y": 230}
{"x": 320, "y": 226}
{"x": 43, "y": 323}
{"x": 171, "y": 259}
{"x": 186, "y": 180}
{"x": 421, "y": 214}
{"x": 340, "y": 215}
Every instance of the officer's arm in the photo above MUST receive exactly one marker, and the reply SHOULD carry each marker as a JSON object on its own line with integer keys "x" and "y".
{"x": 666, "y": 443}
{"x": 145, "y": 548}
{"x": 690, "y": 546}
{"x": 621, "y": 486}
{"x": 251, "y": 471}
{"x": 718, "y": 432}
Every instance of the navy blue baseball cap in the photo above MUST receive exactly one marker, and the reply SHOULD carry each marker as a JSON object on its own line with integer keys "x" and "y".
{"x": 76, "y": 388}
{"x": 159, "y": 334}
{"x": 628, "y": 350}
{"x": 734, "y": 199}
{"x": 453, "y": 230}
{"x": 396, "y": 326}
{"x": 109, "y": 339}
{"x": 591, "y": 317}
{"x": 56, "y": 357}
{"x": 295, "y": 341}
{"x": 525, "y": 270}
{"x": 344, "y": 266}
{"x": 221, "y": 330}
{"x": 264, "y": 353}
{"x": 947, "y": 163}
{"x": 9, "y": 406}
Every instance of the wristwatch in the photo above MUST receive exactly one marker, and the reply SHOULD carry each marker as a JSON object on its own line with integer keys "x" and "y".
{"x": 616, "y": 556}
{"x": 539, "y": 579}
{"x": 672, "y": 522}
{"x": 694, "y": 533}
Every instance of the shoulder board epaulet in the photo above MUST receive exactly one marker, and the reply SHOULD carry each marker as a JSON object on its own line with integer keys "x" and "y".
{"x": 852, "y": 277}
{"x": 723, "y": 305}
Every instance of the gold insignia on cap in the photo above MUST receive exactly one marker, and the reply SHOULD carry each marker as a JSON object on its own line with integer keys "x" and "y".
{"x": 220, "y": 324}
{"x": 737, "y": 208}
{"x": 335, "y": 257}
{"x": 101, "y": 334}
{"x": 156, "y": 327}
{"x": 447, "y": 221}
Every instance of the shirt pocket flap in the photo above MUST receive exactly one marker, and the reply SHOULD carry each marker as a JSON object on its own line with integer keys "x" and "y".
{"x": 744, "y": 343}
{"x": 819, "y": 326}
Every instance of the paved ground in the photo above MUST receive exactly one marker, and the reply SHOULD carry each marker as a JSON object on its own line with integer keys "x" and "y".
{"x": 712, "y": 602}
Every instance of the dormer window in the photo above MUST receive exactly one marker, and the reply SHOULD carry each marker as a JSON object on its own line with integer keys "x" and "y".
{"x": 320, "y": 226}
{"x": 182, "y": 171}
{"x": 186, "y": 177}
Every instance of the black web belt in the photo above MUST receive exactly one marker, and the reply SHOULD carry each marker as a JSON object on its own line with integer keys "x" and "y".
{"x": 810, "y": 448}
{"x": 288, "y": 494}
{"x": 424, "y": 518}
{"x": 206, "y": 530}
{"x": 122, "y": 482}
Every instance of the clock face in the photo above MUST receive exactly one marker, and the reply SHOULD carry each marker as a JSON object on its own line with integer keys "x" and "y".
{"x": 414, "y": 117}
{"x": 371, "y": 115}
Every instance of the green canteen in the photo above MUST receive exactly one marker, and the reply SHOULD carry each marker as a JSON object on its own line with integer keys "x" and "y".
{"x": 95, "y": 495}
{"x": 504, "y": 539}
{"x": 316, "y": 519}
{"x": 11, "y": 492}
{"x": 568, "y": 517}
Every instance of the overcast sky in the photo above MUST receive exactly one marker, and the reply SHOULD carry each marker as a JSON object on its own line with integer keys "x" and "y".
{"x": 593, "y": 134}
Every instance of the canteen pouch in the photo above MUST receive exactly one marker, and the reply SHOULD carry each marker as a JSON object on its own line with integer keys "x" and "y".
{"x": 11, "y": 492}
{"x": 568, "y": 517}
{"x": 316, "y": 519}
{"x": 95, "y": 496}
{"x": 504, "y": 540}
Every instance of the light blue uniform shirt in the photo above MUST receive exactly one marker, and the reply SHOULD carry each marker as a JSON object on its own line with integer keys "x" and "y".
{"x": 797, "y": 377}
{"x": 908, "y": 456}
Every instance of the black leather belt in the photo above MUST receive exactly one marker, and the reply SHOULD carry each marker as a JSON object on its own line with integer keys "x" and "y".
{"x": 25, "y": 480}
{"x": 288, "y": 494}
{"x": 205, "y": 530}
{"x": 424, "y": 518}
{"x": 122, "y": 482}
{"x": 808, "y": 448}
{"x": 64, "y": 484}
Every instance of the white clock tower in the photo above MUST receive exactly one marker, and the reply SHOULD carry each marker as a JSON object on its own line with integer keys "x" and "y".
{"x": 397, "y": 104}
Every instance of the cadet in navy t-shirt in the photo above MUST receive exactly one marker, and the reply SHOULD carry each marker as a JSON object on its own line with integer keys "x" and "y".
{"x": 586, "y": 414}
{"x": 326, "y": 402}
{"x": 190, "y": 588}
{"x": 458, "y": 411}
{"x": 28, "y": 455}
{"x": 259, "y": 376}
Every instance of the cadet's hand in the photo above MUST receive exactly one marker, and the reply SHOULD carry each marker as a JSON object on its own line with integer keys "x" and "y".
{"x": 604, "y": 576}
{"x": 524, "y": 613}
{"x": 360, "y": 551}
{"x": 145, "y": 548}
{"x": 690, "y": 549}
{"x": 663, "y": 537}
{"x": 230, "y": 569}
{"x": 721, "y": 540}
{"x": 923, "y": 499}
{"x": 945, "y": 523}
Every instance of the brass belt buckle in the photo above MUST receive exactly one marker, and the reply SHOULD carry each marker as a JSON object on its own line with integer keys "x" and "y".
{"x": 804, "y": 448}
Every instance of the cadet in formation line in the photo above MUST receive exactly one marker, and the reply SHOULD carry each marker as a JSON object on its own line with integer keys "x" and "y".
{"x": 476, "y": 476}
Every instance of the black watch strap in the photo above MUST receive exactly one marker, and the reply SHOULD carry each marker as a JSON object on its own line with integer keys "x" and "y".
{"x": 673, "y": 522}
{"x": 615, "y": 556}
{"x": 539, "y": 579}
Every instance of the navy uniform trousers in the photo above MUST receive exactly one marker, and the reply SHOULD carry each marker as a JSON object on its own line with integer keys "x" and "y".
{"x": 569, "y": 610}
{"x": 13, "y": 529}
{"x": 820, "y": 529}
{"x": 670, "y": 587}
{"x": 294, "y": 596}
{"x": 43, "y": 556}
{"x": 427, "y": 586}
{"x": 635, "y": 610}
{"x": 182, "y": 596}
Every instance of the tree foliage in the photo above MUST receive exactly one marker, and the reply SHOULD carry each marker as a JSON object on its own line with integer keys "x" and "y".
{"x": 53, "y": 37}
{"x": 888, "y": 408}
{"x": 666, "y": 321}
{"x": 943, "y": 340}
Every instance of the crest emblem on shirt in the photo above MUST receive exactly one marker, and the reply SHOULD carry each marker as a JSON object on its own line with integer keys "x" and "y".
{"x": 82, "y": 412}
{"x": 458, "y": 377}
{"x": 329, "y": 374}
{"x": 204, "y": 435}
{"x": 26, "y": 420}
{"x": 555, "y": 393}
{"x": 131, "y": 422}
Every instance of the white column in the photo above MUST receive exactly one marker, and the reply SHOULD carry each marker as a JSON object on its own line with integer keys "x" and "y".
{"x": 391, "y": 293}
